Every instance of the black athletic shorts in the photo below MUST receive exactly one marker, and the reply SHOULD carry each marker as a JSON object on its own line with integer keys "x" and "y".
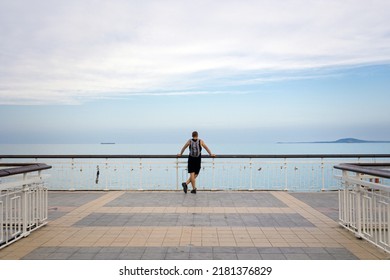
{"x": 194, "y": 164}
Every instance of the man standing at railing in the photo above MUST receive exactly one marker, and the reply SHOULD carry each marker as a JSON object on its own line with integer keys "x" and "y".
{"x": 194, "y": 159}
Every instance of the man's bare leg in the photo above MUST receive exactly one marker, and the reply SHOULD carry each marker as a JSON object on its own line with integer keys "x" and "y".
{"x": 191, "y": 180}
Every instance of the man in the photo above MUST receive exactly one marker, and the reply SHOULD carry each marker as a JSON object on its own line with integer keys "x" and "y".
{"x": 194, "y": 159}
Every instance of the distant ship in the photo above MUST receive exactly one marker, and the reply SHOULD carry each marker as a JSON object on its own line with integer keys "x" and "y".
{"x": 107, "y": 143}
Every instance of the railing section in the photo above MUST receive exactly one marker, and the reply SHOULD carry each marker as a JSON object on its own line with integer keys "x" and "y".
{"x": 23, "y": 202}
{"x": 167, "y": 172}
{"x": 364, "y": 202}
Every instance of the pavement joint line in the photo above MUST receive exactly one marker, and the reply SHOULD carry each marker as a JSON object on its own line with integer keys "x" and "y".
{"x": 197, "y": 210}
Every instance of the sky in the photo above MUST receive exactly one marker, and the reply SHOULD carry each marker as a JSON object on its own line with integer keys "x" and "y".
{"x": 251, "y": 71}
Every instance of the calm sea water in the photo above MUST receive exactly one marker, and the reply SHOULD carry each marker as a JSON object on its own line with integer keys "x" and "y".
{"x": 268, "y": 148}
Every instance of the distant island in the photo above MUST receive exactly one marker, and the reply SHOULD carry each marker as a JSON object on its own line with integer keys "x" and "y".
{"x": 343, "y": 141}
{"x": 107, "y": 143}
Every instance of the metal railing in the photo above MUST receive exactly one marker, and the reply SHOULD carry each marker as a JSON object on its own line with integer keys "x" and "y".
{"x": 364, "y": 202}
{"x": 23, "y": 201}
{"x": 166, "y": 172}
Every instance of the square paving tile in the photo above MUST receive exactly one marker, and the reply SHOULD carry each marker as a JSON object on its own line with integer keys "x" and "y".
{"x": 201, "y": 199}
{"x": 72, "y": 199}
{"x": 196, "y": 220}
{"x": 325, "y": 202}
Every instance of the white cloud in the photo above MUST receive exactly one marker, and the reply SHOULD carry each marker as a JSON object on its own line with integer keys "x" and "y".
{"x": 68, "y": 51}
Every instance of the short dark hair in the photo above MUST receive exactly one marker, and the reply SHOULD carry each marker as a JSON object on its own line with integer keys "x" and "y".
{"x": 194, "y": 134}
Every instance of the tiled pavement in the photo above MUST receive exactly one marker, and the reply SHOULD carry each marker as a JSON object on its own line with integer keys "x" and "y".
{"x": 208, "y": 225}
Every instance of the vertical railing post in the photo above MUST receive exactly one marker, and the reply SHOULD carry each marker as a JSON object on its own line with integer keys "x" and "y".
{"x": 107, "y": 174}
{"x": 358, "y": 207}
{"x": 285, "y": 175}
{"x": 251, "y": 174}
{"x": 42, "y": 200}
{"x": 322, "y": 174}
{"x": 177, "y": 173}
{"x": 372, "y": 210}
{"x": 140, "y": 173}
{"x": 213, "y": 172}
{"x": 341, "y": 205}
{"x": 72, "y": 187}
{"x": 388, "y": 225}
{"x": 24, "y": 206}
{"x": 345, "y": 198}
{"x": 7, "y": 214}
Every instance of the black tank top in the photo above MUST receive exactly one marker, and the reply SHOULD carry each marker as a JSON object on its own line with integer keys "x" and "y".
{"x": 195, "y": 148}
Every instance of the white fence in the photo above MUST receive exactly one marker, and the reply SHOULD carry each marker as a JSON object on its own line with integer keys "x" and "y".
{"x": 364, "y": 203}
{"x": 167, "y": 172}
{"x": 23, "y": 203}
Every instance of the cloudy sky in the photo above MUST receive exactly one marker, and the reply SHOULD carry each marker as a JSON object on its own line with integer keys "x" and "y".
{"x": 87, "y": 71}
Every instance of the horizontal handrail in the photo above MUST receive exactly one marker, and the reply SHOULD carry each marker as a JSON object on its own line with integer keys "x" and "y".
{"x": 207, "y": 156}
{"x": 226, "y": 171}
{"x": 22, "y": 168}
{"x": 369, "y": 169}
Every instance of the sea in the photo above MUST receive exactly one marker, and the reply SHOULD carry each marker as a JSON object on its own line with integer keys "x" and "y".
{"x": 219, "y": 174}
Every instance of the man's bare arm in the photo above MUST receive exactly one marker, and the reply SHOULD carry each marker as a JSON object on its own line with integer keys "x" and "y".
{"x": 207, "y": 148}
{"x": 184, "y": 148}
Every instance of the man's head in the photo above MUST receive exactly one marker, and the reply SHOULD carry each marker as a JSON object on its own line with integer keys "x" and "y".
{"x": 195, "y": 134}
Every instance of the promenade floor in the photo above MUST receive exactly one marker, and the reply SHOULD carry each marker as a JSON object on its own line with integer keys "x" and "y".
{"x": 154, "y": 225}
